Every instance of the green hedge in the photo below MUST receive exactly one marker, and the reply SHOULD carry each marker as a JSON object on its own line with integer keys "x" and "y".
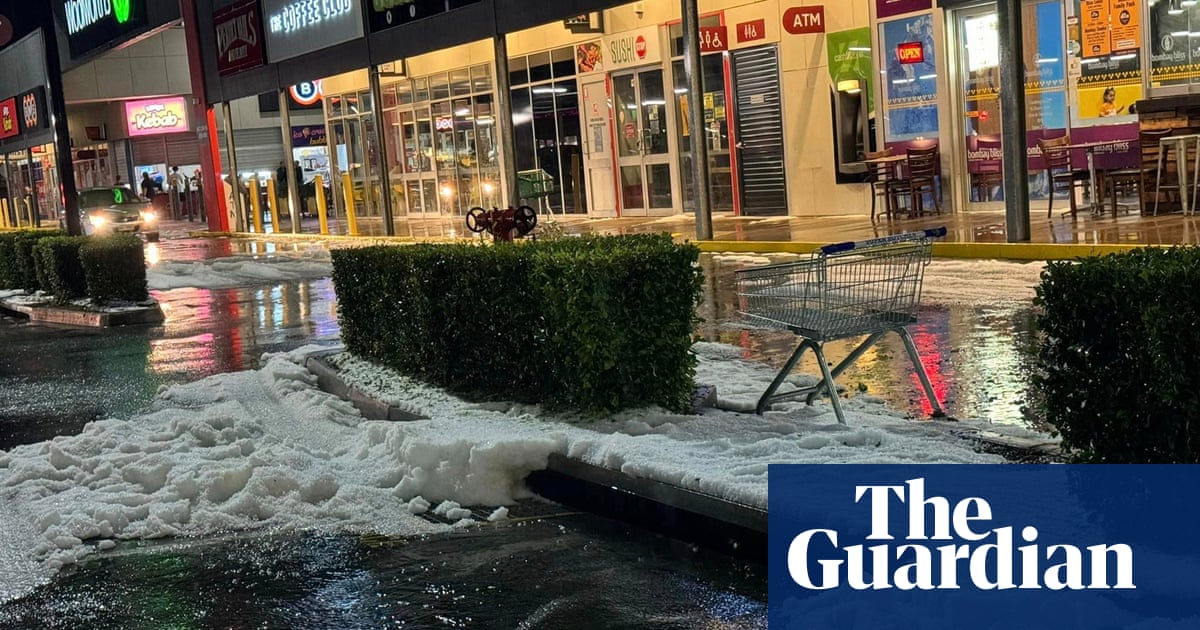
{"x": 115, "y": 268}
{"x": 59, "y": 269}
{"x": 593, "y": 324}
{"x": 1120, "y": 355}
{"x": 18, "y": 270}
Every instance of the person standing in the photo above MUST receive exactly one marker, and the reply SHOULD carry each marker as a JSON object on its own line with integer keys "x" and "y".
{"x": 179, "y": 184}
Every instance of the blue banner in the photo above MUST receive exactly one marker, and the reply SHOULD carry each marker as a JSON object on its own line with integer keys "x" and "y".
{"x": 981, "y": 547}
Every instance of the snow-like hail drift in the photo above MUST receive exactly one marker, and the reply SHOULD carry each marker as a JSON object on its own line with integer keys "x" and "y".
{"x": 268, "y": 449}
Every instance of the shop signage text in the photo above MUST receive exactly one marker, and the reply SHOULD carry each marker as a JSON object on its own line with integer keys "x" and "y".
{"x": 33, "y": 109}
{"x": 94, "y": 23}
{"x": 388, "y": 13}
{"x": 804, "y": 20}
{"x": 156, "y": 116}
{"x": 751, "y": 31}
{"x": 297, "y": 27}
{"x": 910, "y": 52}
{"x": 9, "y": 125}
{"x": 632, "y": 48}
{"x": 443, "y": 123}
{"x": 239, "y": 37}
{"x": 308, "y": 136}
{"x": 713, "y": 39}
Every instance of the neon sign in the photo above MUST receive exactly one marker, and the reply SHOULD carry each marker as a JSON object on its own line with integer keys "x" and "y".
{"x": 156, "y": 116}
{"x": 306, "y": 93}
{"x": 910, "y": 52}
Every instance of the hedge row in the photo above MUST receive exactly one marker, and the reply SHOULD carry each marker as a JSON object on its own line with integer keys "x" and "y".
{"x": 1120, "y": 355}
{"x": 593, "y": 324}
{"x": 102, "y": 268}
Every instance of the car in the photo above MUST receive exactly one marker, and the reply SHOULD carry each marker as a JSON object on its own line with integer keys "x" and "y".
{"x": 114, "y": 209}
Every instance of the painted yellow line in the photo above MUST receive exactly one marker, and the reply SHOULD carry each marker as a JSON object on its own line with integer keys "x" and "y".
{"x": 1003, "y": 251}
{"x": 287, "y": 236}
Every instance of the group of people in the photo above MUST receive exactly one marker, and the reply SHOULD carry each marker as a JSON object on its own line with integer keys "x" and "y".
{"x": 179, "y": 185}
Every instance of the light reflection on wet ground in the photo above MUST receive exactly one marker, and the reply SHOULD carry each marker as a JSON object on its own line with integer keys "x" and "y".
{"x": 979, "y": 358}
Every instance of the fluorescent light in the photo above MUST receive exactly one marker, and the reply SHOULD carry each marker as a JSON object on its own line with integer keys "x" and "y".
{"x": 926, "y": 77}
{"x": 1180, "y": 34}
{"x": 1049, "y": 60}
{"x": 1087, "y": 61}
{"x": 681, "y": 90}
{"x": 1188, "y": 3}
{"x": 902, "y": 81}
{"x": 1123, "y": 57}
{"x": 859, "y": 49}
{"x": 549, "y": 90}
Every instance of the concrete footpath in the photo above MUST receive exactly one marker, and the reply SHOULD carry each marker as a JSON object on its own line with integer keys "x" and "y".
{"x": 977, "y": 234}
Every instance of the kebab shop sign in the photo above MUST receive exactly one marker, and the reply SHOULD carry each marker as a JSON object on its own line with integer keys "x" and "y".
{"x": 156, "y": 116}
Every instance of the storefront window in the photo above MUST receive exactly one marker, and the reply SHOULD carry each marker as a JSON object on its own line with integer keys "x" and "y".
{"x": 546, "y": 125}
{"x": 715, "y": 102}
{"x": 1108, "y": 40}
{"x": 909, "y": 58}
{"x": 1174, "y": 43}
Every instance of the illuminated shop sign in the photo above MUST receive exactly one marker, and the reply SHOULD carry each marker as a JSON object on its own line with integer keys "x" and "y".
{"x": 91, "y": 24}
{"x": 239, "y": 37}
{"x": 308, "y": 136}
{"x": 306, "y": 93}
{"x": 9, "y": 119}
{"x": 388, "y": 13}
{"x": 443, "y": 123}
{"x": 156, "y": 116}
{"x": 296, "y": 27}
{"x": 910, "y": 52}
{"x": 33, "y": 109}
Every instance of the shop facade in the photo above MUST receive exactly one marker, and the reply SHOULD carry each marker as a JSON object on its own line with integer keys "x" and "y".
{"x": 29, "y": 187}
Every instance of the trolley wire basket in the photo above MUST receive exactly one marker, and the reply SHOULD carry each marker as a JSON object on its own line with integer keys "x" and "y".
{"x": 844, "y": 290}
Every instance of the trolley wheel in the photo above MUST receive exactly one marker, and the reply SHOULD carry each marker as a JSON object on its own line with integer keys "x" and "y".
{"x": 477, "y": 219}
{"x": 525, "y": 219}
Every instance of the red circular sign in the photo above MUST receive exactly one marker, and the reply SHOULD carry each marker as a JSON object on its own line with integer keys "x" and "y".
{"x": 639, "y": 47}
{"x": 6, "y": 31}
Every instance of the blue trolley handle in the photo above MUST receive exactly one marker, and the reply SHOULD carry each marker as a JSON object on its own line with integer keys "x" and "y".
{"x": 838, "y": 248}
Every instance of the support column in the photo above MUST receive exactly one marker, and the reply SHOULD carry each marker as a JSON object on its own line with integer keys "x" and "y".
{"x": 63, "y": 160}
{"x": 239, "y": 204}
{"x": 504, "y": 122}
{"x": 289, "y": 163}
{"x": 211, "y": 195}
{"x": 389, "y": 228}
{"x": 1012, "y": 121}
{"x": 695, "y": 82}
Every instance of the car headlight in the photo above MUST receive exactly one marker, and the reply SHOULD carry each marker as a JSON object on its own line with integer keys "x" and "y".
{"x": 97, "y": 220}
{"x": 148, "y": 216}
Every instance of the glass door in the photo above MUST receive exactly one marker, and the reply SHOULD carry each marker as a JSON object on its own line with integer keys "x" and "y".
{"x": 979, "y": 90}
{"x": 643, "y": 147}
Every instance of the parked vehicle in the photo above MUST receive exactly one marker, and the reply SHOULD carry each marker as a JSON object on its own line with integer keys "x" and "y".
{"x": 113, "y": 209}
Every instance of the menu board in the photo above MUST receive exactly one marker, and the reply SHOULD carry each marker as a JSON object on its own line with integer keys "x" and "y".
{"x": 1094, "y": 24}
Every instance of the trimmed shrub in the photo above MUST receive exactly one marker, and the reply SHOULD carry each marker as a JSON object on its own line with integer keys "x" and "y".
{"x": 59, "y": 270}
{"x": 115, "y": 268}
{"x": 592, "y": 324}
{"x": 1120, "y": 355}
{"x": 18, "y": 270}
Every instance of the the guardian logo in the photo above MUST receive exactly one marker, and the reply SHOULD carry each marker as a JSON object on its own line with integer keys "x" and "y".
{"x": 947, "y": 547}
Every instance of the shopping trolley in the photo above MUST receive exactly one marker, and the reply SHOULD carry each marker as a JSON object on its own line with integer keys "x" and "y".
{"x": 845, "y": 290}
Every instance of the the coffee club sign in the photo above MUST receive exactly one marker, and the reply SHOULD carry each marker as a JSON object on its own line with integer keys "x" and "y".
{"x": 388, "y": 13}
{"x": 297, "y": 27}
{"x": 91, "y": 24}
{"x": 156, "y": 116}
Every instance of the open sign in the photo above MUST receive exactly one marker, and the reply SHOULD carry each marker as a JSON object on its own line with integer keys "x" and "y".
{"x": 910, "y": 52}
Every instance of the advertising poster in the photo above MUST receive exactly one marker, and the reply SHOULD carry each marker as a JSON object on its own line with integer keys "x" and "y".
{"x": 850, "y": 59}
{"x": 910, "y": 79}
{"x": 1110, "y": 77}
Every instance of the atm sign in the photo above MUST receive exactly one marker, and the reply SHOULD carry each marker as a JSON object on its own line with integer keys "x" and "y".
{"x": 910, "y": 52}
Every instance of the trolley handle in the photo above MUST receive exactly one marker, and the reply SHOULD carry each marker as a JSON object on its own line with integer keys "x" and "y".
{"x": 849, "y": 246}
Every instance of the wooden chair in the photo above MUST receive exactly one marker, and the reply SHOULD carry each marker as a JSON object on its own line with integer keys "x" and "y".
{"x": 1142, "y": 178}
{"x": 986, "y": 174}
{"x": 880, "y": 176}
{"x": 920, "y": 178}
{"x": 1059, "y": 171}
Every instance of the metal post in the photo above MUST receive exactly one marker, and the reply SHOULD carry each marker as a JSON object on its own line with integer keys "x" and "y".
{"x": 234, "y": 179}
{"x": 63, "y": 159}
{"x": 31, "y": 202}
{"x": 695, "y": 82}
{"x": 385, "y": 185}
{"x": 289, "y": 163}
{"x": 504, "y": 122}
{"x": 1012, "y": 121}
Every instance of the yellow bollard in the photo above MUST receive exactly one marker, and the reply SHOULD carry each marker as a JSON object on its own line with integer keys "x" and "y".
{"x": 319, "y": 185}
{"x": 273, "y": 204}
{"x": 256, "y": 205}
{"x": 351, "y": 218}
{"x": 4, "y": 213}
